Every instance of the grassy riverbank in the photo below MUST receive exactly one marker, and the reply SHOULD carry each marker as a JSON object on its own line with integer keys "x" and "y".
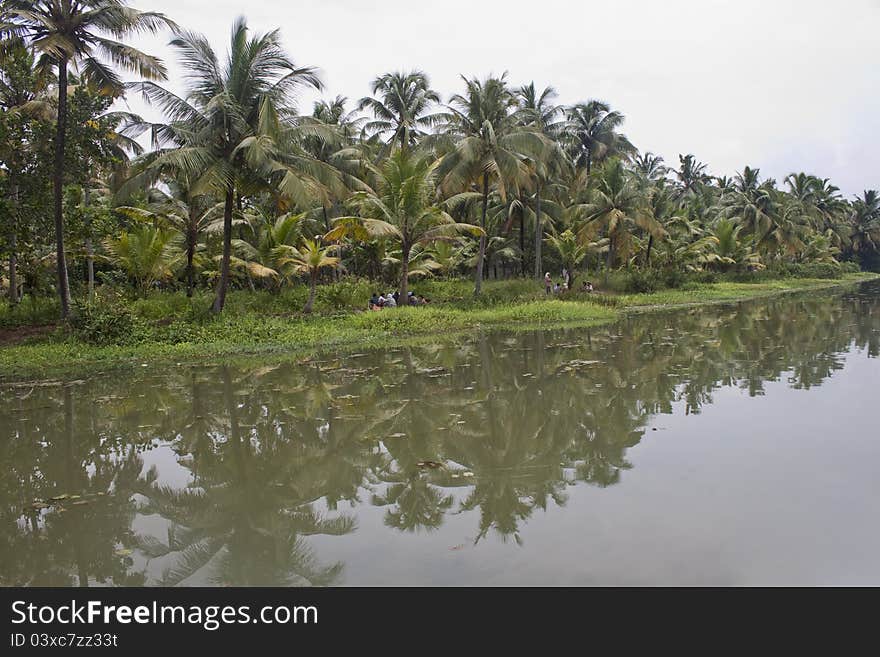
{"x": 168, "y": 327}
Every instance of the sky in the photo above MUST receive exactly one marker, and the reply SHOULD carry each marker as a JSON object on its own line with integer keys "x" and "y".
{"x": 781, "y": 85}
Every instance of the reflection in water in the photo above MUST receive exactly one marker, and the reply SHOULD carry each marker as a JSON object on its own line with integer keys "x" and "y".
{"x": 220, "y": 475}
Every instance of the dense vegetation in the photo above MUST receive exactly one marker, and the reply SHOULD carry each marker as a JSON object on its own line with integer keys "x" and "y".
{"x": 239, "y": 190}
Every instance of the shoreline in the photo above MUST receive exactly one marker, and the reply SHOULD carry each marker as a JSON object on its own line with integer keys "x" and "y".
{"x": 366, "y": 330}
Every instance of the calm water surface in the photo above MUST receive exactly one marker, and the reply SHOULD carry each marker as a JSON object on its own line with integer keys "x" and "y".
{"x": 725, "y": 445}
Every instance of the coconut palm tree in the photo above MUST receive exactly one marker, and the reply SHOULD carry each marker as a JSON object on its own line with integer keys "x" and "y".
{"x": 616, "y": 207}
{"x": 400, "y": 105}
{"x": 147, "y": 254}
{"x": 402, "y": 209}
{"x": 753, "y": 204}
{"x": 650, "y": 167}
{"x": 192, "y": 215}
{"x": 691, "y": 174}
{"x": 865, "y": 223}
{"x": 592, "y": 134}
{"x": 72, "y": 32}
{"x": 538, "y": 111}
{"x": 491, "y": 146}
{"x": 309, "y": 259}
{"x": 238, "y": 127}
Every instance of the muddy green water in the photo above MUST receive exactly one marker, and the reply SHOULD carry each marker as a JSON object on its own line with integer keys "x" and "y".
{"x": 724, "y": 445}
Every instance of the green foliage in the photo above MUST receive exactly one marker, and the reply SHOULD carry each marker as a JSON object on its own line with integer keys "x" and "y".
{"x": 107, "y": 321}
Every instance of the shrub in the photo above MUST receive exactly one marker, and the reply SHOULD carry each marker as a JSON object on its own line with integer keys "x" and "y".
{"x": 107, "y": 321}
{"x": 347, "y": 293}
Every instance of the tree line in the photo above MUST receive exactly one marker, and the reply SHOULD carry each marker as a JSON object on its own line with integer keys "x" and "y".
{"x": 239, "y": 188}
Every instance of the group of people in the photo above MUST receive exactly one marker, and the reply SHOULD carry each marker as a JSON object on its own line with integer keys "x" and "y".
{"x": 556, "y": 288}
{"x": 392, "y": 300}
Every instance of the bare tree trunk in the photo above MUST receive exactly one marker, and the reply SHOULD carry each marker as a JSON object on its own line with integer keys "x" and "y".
{"x": 13, "y": 248}
{"x": 58, "y": 189}
{"x": 482, "y": 254}
{"x": 223, "y": 283}
{"x": 648, "y": 251}
{"x": 539, "y": 232}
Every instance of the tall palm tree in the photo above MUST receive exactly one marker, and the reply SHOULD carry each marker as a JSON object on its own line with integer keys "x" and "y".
{"x": 400, "y": 105}
{"x": 491, "y": 146}
{"x": 238, "y": 125}
{"x": 309, "y": 259}
{"x": 71, "y": 32}
{"x": 752, "y": 204}
{"x": 402, "y": 209}
{"x": 650, "y": 167}
{"x": 538, "y": 111}
{"x": 592, "y": 133}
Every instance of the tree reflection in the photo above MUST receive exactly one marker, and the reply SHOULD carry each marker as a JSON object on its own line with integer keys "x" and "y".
{"x": 499, "y": 426}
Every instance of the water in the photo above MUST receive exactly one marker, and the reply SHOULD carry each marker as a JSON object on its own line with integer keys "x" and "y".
{"x": 724, "y": 445}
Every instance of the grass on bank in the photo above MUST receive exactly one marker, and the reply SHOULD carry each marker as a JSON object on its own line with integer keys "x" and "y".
{"x": 168, "y": 326}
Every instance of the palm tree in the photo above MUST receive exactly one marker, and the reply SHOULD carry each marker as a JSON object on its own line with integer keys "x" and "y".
{"x": 401, "y": 209}
{"x": 145, "y": 253}
{"x": 192, "y": 215}
{"x": 691, "y": 174}
{"x": 69, "y": 32}
{"x": 592, "y": 134}
{"x": 491, "y": 146}
{"x": 309, "y": 259}
{"x": 400, "y": 111}
{"x": 650, "y": 167}
{"x": 617, "y": 207}
{"x": 865, "y": 223}
{"x": 238, "y": 125}
{"x": 540, "y": 113}
{"x": 571, "y": 250}
{"x": 752, "y": 204}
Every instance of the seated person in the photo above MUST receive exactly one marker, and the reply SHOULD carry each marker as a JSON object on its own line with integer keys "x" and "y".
{"x": 587, "y": 287}
{"x": 374, "y": 301}
{"x": 390, "y": 301}
{"x": 412, "y": 300}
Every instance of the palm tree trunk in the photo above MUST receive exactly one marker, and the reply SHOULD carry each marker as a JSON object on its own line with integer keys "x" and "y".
{"x": 90, "y": 251}
{"x": 522, "y": 240}
{"x": 404, "y": 273}
{"x": 482, "y": 254}
{"x": 313, "y": 284}
{"x": 58, "y": 189}
{"x": 610, "y": 257}
{"x": 336, "y": 273}
{"x": 538, "y": 232}
{"x": 223, "y": 283}
{"x": 13, "y": 247}
{"x": 648, "y": 251}
{"x": 191, "y": 238}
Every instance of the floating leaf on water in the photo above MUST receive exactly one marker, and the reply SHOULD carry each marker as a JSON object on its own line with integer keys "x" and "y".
{"x": 58, "y": 498}
{"x": 123, "y": 552}
{"x": 397, "y": 435}
{"x": 467, "y": 474}
{"x": 80, "y": 503}
{"x": 429, "y": 464}
{"x": 39, "y": 506}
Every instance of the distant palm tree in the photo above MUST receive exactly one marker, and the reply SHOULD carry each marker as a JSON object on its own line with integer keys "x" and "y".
{"x": 491, "y": 146}
{"x": 238, "y": 124}
{"x": 616, "y": 207}
{"x": 691, "y": 174}
{"x": 70, "y": 32}
{"x": 309, "y": 259}
{"x": 865, "y": 222}
{"x": 592, "y": 134}
{"x": 147, "y": 254}
{"x": 402, "y": 209}
{"x": 401, "y": 110}
{"x": 650, "y": 167}
{"x": 192, "y": 215}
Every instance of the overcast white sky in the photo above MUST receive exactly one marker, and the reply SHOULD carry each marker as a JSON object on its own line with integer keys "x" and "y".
{"x": 777, "y": 84}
